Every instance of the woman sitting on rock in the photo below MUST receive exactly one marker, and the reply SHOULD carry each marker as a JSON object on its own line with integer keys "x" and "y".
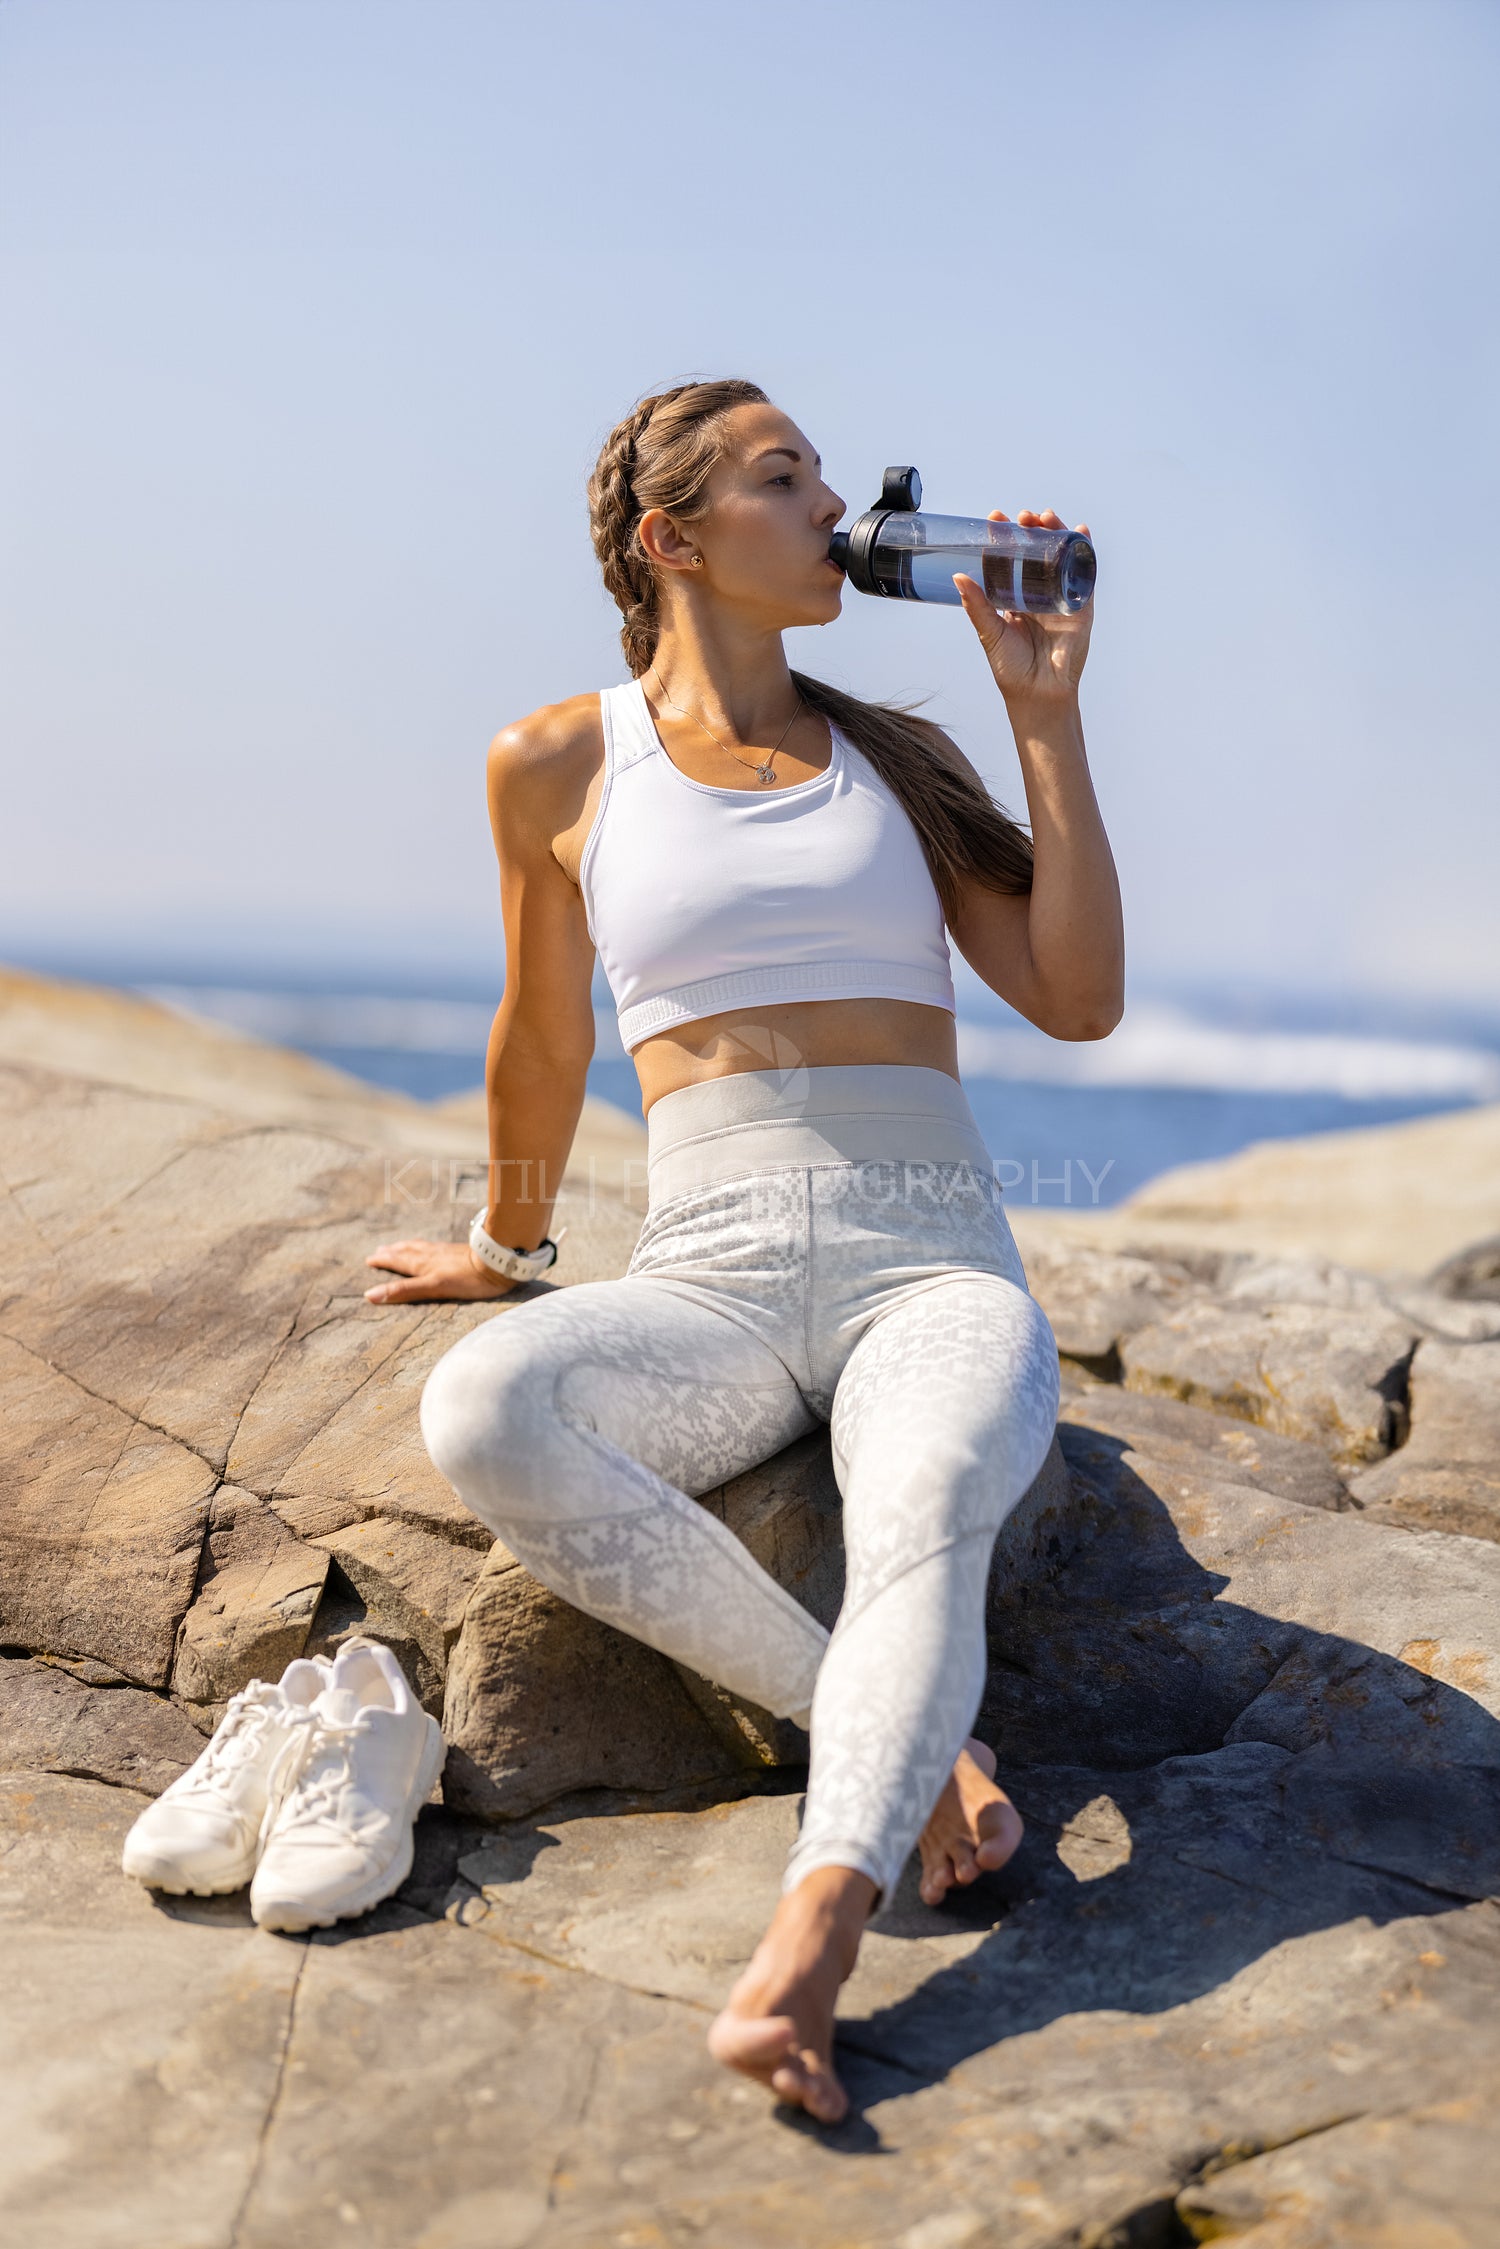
{"x": 766, "y": 867}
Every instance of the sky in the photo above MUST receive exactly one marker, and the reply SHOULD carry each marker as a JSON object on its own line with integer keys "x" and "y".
{"x": 318, "y": 311}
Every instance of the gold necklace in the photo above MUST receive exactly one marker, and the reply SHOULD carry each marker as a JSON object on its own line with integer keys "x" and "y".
{"x": 765, "y": 771}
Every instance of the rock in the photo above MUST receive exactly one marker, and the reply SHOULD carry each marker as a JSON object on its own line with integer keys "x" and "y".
{"x": 1253, "y": 1738}
{"x": 410, "y": 1591}
{"x": 788, "y": 1512}
{"x": 675, "y": 1902}
{"x": 1391, "y": 1200}
{"x": 51, "y": 1722}
{"x": 1219, "y": 1447}
{"x": 1447, "y": 1475}
{"x": 1233, "y": 1941}
{"x": 226, "y": 1317}
{"x": 542, "y": 1699}
{"x": 103, "y": 1522}
{"x": 1298, "y": 1280}
{"x": 1202, "y": 1611}
{"x": 1425, "y": 2180}
{"x": 332, "y": 1435}
{"x": 1472, "y": 1275}
{"x": 258, "y": 1590}
{"x": 1334, "y": 1377}
{"x": 1093, "y": 1299}
{"x": 1444, "y": 1318}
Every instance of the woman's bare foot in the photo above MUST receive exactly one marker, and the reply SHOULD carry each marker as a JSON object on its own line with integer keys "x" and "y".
{"x": 974, "y": 1826}
{"x": 777, "y": 2026}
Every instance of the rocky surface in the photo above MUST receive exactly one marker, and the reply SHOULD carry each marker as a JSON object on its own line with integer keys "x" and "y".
{"x": 1448, "y": 1475}
{"x": 1240, "y": 1982}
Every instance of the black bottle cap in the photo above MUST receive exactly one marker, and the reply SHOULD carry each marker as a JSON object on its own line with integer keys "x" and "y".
{"x": 900, "y": 491}
{"x": 853, "y": 550}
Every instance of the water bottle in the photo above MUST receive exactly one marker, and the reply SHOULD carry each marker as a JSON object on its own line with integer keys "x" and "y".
{"x": 897, "y": 552}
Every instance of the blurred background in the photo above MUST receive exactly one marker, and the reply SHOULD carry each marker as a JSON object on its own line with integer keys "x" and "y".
{"x": 318, "y": 313}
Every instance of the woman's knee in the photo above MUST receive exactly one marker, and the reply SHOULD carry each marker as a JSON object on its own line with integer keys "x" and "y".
{"x": 484, "y": 1413}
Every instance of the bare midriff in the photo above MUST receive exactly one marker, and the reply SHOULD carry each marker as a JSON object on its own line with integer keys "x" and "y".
{"x": 807, "y": 1034}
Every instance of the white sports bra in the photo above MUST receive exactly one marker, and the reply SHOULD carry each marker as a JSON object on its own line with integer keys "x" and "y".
{"x": 701, "y": 899}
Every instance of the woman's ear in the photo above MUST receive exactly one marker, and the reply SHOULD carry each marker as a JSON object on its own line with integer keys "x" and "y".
{"x": 665, "y": 546}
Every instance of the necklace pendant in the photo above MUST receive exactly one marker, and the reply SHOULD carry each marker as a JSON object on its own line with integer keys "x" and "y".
{"x": 766, "y": 772}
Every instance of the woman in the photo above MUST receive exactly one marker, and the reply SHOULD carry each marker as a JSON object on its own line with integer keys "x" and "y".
{"x": 765, "y": 866}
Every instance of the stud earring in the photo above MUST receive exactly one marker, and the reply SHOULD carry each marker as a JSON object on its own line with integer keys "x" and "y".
{"x": 697, "y": 562}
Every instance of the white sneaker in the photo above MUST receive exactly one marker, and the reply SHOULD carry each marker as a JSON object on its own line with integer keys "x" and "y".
{"x": 346, "y": 1796}
{"x": 203, "y": 1833}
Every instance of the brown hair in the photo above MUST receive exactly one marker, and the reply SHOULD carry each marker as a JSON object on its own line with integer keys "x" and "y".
{"x": 661, "y": 456}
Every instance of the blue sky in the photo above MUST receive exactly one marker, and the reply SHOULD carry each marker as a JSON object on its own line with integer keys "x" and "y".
{"x": 319, "y": 309}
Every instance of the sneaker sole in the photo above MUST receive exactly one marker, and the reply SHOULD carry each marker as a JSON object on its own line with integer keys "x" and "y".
{"x": 290, "y": 1920}
{"x": 182, "y": 1889}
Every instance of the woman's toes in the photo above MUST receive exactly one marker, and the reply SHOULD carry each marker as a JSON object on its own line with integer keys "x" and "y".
{"x": 1000, "y": 1832}
{"x": 807, "y": 2084}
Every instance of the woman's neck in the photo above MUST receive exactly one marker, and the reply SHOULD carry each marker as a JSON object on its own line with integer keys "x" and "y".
{"x": 738, "y": 683}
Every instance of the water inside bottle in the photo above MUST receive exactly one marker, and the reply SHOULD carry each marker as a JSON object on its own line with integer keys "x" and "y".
{"x": 1058, "y": 583}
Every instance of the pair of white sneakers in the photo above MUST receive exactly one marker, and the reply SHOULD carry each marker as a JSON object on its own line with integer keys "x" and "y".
{"x": 309, "y": 1791}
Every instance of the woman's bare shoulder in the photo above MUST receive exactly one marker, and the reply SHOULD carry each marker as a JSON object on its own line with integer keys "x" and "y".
{"x": 541, "y": 767}
{"x": 555, "y": 739}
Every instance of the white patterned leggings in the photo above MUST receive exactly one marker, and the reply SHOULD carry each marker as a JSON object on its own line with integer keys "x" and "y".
{"x": 821, "y": 1245}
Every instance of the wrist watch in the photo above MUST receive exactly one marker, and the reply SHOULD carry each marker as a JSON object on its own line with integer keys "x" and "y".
{"x": 511, "y": 1264}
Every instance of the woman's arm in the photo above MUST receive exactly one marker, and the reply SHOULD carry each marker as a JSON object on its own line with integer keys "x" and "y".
{"x": 542, "y": 1038}
{"x": 1057, "y": 955}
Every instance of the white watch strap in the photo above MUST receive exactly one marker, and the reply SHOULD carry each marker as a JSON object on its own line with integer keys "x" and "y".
{"x": 512, "y": 1264}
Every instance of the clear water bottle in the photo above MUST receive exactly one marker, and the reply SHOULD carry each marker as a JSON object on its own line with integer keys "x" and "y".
{"x": 896, "y": 551}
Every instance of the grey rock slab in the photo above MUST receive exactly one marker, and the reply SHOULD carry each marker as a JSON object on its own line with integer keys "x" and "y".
{"x": 102, "y": 1521}
{"x": 1447, "y": 1475}
{"x": 258, "y": 1591}
{"x": 142, "y": 2042}
{"x": 1471, "y": 1275}
{"x": 675, "y": 1902}
{"x": 1094, "y": 1298}
{"x": 1132, "y": 2008}
{"x": 176, "y": 1306}
{"x": 1196, "y": 1873}
{"x": 1445, "y": 1319}
{"x": 53, "y": 1722}
{"x": 1332, "y": 1376}
{"x": 542, "y": 1700}
{"x": 1426, "y": 2179}
{"x": 1299, "y": 1280}
{"x": 432, "y": 2087}
{"x": 412, "y": 1592}
{"x": 1173, "y": 1626}
{"x": 1225, "y": 1449}
{"x": 358, "y": 1450}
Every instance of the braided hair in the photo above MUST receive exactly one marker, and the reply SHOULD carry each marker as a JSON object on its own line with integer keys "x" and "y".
{"x": 662, "y": 456}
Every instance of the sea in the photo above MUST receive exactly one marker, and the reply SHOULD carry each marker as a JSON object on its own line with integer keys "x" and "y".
{"x": 1191, "y": 1073}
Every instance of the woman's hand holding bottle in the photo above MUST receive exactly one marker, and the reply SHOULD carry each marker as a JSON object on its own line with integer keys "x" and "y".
{"x": 1034, "y": 657}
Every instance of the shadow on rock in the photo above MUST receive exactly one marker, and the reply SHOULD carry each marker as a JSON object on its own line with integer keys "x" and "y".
{"x": 1247, "y": 1778}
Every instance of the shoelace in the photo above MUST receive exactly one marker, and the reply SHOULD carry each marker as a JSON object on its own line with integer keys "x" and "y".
{"x": 238, "y": 1741}
{"x": 318, "y": 1799}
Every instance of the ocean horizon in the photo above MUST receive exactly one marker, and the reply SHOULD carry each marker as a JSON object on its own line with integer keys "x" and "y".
{"x": 1186, "y": 1077}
